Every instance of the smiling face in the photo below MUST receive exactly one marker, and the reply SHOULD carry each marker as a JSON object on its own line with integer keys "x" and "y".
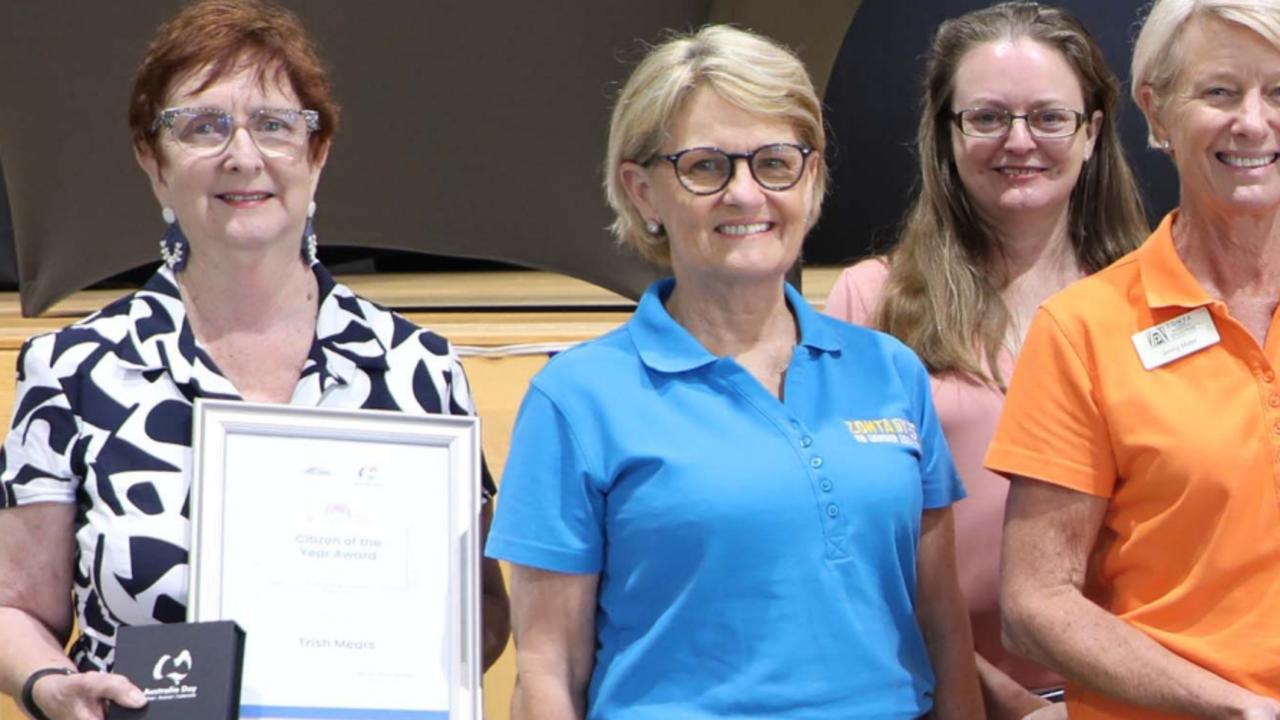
{"x": 1011, "y": 178}
{"x": 743, "y": 232}
{"x": 238, "y": 199}
{"x": 1222, "y": 119}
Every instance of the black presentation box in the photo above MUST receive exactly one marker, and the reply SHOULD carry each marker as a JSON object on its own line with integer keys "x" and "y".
{"x": 188, "y": 671}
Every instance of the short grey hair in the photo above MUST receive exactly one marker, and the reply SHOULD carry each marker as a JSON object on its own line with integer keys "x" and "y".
{"x": 1157, "y": 54}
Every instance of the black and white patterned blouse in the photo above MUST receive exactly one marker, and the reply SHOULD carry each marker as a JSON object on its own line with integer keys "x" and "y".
{"x": 102, "y": 419}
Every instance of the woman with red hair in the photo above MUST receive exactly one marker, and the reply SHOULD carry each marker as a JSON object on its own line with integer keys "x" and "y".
{"x": 232, "y": 122}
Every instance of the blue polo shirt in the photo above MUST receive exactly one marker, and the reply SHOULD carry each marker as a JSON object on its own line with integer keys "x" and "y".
{"x": 757, "y": 557}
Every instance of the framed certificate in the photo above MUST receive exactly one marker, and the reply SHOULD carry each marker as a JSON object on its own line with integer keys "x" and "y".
{"x": 346, "y": 544}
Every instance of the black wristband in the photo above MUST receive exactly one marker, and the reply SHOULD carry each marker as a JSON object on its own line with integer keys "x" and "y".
{"x": 28, "y": 702}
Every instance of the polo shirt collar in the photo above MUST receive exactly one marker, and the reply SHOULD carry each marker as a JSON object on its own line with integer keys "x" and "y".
{"x": 815, "y": 329}
{"x": 664, "y": 345}
{"x": 1165, "y": 278}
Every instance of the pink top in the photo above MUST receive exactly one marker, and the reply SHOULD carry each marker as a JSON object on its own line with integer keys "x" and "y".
{"x": 968, "y": 411}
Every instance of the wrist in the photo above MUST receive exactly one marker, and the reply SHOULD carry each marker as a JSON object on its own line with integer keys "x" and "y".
{"x": 29, "y": 686}
{"x": 1248, "y": 706}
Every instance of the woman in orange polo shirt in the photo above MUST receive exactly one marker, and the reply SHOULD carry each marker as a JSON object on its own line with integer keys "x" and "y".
{"x": 1142, "y": 426}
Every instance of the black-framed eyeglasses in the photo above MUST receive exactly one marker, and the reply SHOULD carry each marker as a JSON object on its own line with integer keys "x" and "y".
{"x": 1043, "y": 123}
{"x": 708, "y": 170}
{"x": 204, "y": 131}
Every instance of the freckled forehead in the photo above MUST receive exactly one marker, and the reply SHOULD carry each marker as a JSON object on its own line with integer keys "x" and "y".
{"x": 1212, "y": 46}
{"x": 1015, "y": 72}
{"x": 706, "y": 119}
{"x": 244, "y": 87}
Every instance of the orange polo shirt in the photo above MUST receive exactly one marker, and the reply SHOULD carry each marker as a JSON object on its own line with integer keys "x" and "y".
{"x": 1188, "y": 454}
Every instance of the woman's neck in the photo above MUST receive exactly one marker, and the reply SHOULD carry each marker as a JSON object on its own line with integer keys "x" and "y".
{"x": 1033, "y": 260}
{"x": 733, "y": 317}
{"x": 1032, "y": 245}
{"x": 250, "y": 293}
{"x": 1232, "y": 256}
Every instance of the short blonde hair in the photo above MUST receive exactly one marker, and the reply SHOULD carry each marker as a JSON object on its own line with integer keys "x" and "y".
{"x": 1157, "y": 54}
{"x": 746, "y": 69}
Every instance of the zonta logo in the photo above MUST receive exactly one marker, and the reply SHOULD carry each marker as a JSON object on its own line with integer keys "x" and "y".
{"x": 181, "y": 667}
{"x": 897, "y": 431}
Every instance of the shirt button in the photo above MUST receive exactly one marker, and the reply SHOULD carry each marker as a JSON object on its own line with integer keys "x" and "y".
{"x": 832, "y": 510}
{"x": 825, "y": 485}
{"x": 1275, "y": 400}
{"x": 816, "y": 462}
{"x": 1276, "y": 427}
{"x": 1268, "y": 376}
{"x": 806, "y": 441}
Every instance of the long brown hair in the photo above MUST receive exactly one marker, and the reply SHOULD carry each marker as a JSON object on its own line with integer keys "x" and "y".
{"x": 941, "y": 298}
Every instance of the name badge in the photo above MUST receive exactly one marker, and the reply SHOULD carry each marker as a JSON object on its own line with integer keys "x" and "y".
{"x": 1176, "y": 338}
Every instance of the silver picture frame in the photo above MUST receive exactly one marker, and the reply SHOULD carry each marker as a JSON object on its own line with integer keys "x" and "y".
{"x": 346, "y": 544}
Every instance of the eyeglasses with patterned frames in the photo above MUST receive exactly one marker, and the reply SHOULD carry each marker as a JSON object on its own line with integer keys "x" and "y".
{"x": 1043, "y": 123}
{"x": 708, "y": 170}
{"x": 202, "y": 131}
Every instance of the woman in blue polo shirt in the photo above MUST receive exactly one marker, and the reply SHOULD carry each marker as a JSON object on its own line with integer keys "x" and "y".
{"x": 732, "y": 506}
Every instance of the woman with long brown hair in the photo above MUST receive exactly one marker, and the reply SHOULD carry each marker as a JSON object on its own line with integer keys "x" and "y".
{"x": 1023, "y": 190}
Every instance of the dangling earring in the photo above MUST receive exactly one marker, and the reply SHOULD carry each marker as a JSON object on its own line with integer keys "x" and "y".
{"x": 309, "y": 237}
{"x": 174, "y": 248}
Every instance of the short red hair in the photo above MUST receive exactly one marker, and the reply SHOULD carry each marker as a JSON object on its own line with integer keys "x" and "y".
{"x": 225, "y": 36}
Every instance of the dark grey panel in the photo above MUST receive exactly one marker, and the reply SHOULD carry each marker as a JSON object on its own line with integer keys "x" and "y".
{"x": 471, "y": 129}
{"x": 478, "y": 129}
{"x": 814, "y": 30}
{"x": 8, "y": 257}
{"x": 81, "y": 210}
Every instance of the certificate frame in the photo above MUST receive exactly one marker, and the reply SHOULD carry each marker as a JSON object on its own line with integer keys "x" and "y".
{"x": 225, "y": 582}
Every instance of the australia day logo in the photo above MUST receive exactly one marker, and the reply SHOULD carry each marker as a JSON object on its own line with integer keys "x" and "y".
{"x": 181, "y": 667}
{"x": 175, "y": 669}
